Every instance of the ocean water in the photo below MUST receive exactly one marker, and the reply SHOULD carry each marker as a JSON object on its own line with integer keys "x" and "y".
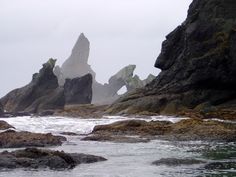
{"x": 124, "y": 159}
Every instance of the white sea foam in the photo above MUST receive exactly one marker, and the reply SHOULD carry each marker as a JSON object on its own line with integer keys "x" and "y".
{"x": 62, "y": 124}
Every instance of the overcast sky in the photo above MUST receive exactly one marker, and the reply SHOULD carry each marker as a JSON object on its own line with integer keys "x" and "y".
{"x": 120, "y": 32}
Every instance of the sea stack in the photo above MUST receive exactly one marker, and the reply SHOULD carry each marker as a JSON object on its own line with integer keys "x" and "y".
{"x": 77, "y": 64}
{"x": 198, "y": 63}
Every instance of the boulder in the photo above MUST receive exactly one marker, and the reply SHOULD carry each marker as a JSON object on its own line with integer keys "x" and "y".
{"x": 13, "y": 139}
{"x": 4, "y": 125}
{"x": 198, "y": 64}
{"x": 78, "y": 90}
{"x": 32, "y": 158}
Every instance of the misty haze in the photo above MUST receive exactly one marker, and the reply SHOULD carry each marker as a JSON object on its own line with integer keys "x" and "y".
{"x": 116, "y": 88}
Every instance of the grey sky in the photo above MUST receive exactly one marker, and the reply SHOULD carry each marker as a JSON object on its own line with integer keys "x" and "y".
{"x": 121, "y": 32}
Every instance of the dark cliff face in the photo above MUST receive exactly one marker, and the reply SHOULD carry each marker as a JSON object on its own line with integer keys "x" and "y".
{"x": 198, "y": 62}
{"x": 78, "y": 90}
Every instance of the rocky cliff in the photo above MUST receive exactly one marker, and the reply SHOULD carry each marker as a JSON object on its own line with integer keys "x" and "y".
{"x": 198, "y": 63}
{"x": 43, "y": 92}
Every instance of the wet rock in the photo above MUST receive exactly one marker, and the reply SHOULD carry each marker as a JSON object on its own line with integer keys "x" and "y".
{"x": 185, "y": 130}
{"x": 176, "y": 162}
{"x": 4, "y": 125}
{"x": 197, "y": 129}
{"x": 32, "y": 158}
{"x": 13, "y": 139}
{"x": 133, "y": 127}
{"x": 69, "y": 133}
{"x": 197, "y": 62}
{"x": 116, "y": 139}
{"x": 78, "y": 90}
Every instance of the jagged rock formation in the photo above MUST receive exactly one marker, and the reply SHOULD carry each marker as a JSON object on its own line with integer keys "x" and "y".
{"x": 41, "y": 93}
{"x": 198, "y": 63}
{"x": 108, "y": 93}
{"x": 78, "y": 90}
{"x": 77, "y": 66}
{"x": 44, "y": 93}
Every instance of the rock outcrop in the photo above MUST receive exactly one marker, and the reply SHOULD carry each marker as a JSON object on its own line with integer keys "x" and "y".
{"x": 32, "y": 158}
{"x": 198, "y": 63}
{"x": 14, "y": 139}
{"x": 185, "y": 130}
{"x": 44, "y": 93}
{"x": 4, "y": 125}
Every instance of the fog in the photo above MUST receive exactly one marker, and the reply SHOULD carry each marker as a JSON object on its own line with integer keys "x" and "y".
{"x": 121, "y": 32}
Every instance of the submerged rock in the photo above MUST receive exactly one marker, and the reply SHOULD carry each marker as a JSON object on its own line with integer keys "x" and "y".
{"x": 116, "y": 139}
{"x": 13, "y": 139}
{"x": 198, "y": 64}
{"x": 32, "y": 158}
{"x": 231, "y": 165}
{"x": 176, "y": 162}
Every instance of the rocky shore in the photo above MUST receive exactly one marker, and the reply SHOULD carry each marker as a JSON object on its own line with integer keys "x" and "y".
{"x": 185, "y": 130}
